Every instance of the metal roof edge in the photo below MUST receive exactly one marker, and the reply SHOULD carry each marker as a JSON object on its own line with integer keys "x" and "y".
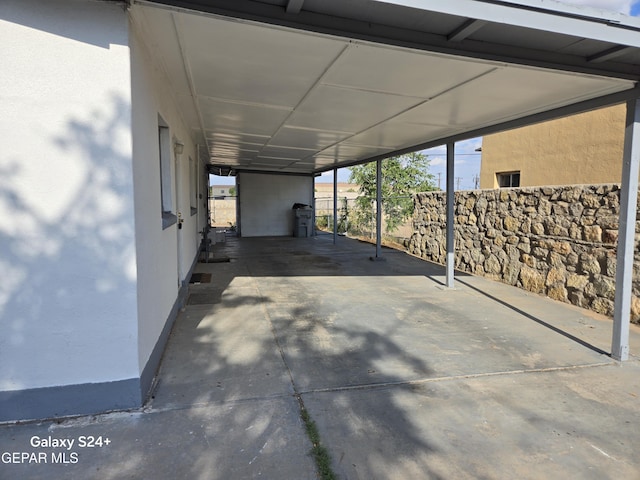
{"x": 388, "y": 34}
{"x": 538, "y": 15}
{"x": 581, "y": 11}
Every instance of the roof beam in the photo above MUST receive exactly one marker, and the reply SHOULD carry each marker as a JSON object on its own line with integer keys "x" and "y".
{"x": 609, "y": 54}
{"x": 467, "y": 28}
{"x": 294, "y": 6}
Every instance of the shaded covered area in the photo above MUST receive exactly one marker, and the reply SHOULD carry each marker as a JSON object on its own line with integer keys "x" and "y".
{"x": 266, "y": 89}
{"x": 404, "y": 378}
{"x": 346, "y": 303}
{"x": 156, "y": 94}
{"x": 295, "y": 88}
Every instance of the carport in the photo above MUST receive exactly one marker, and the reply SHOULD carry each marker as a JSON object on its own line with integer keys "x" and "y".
{"x": 295, "y": 88}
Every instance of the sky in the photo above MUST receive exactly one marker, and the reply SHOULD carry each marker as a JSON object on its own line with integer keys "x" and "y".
{"x": 467, "y": 160}
{"x": 629, "y": 7}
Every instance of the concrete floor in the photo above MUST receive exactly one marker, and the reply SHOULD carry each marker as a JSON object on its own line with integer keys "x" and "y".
{"x": 405, "y": 379}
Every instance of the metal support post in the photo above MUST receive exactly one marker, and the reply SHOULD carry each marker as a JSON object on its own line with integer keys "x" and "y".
{"x": 626, "y": 232}
{"x": 378, "y": 209}
{"x": 335, "y": 205}
{"x": 450, "y": 220}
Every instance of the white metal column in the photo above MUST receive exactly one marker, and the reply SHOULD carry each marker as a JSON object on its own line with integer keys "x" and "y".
{"x": 335, "y": 205}
{"x": 626, "y": 232}
{"x": 379, "y": 209}
{"x": 450, "y": 220}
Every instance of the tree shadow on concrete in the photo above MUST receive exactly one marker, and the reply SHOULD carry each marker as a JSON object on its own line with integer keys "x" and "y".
{"x": 233, "y": 367}
{"x": 225, "y": 404}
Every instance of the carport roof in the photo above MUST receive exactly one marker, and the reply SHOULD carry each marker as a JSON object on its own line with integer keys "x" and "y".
{"x": 304, "y": 86}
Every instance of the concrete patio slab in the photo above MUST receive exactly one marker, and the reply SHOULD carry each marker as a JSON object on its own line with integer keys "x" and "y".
{"x": 404, "y": 379}
{"x": 220, "y": 353}
{"x": 251, "y": 439}
{"x": 576, "y": 423}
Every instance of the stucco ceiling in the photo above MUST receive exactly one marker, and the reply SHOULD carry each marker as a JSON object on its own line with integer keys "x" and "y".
{"x": 268, "y": 96}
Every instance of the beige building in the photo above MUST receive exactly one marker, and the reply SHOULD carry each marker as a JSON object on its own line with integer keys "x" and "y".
{"x": 325, "y": 189}
{"x": 581, "y": 149}
{"x": 222, "y": 190}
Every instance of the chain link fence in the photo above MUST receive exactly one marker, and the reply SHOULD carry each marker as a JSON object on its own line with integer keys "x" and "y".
{"x": 356, "y": 217}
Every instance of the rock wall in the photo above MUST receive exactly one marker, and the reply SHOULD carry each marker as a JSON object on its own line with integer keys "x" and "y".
{"x": 557, "y": 241}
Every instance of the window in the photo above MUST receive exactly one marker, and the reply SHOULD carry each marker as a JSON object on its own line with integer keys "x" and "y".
{"x": 508, "y": 179}
{"x": 193, "y": 186}
{"x": 164, "y": 143}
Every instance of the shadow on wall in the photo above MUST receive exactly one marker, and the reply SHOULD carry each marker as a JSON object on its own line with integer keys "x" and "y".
{"x": 67, "y": 254}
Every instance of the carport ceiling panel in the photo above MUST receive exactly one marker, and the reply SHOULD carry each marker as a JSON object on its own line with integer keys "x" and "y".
{"x": 253, "y": 63}
{"x": 235, "y": 161}
{"x": 273, "y": 164}
{"x": 396, "y": 135}
{"x": 287, "y": 88}
{"x": 323, "y": 162}
{"x": 346, "y": 109}
{"x": 284, "y": 152}
{"x": 345, "y": 152}
{"x": 240, "y": 118}
{"x": 509, "y": 93}
{"x": 235, "y": 138}
{"x": 307, "y": 138}
{"x": 226, "y": 150}
{"x": 401, "y": 72}
{"x": 162, "y": 41}
{"x": 222, "y": 162}
{"x": 303, "y": 164}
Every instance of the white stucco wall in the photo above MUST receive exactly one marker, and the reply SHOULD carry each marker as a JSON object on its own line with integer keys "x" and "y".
{"x": 266, "y": 200}
{"x": 68, "y": 306}
{"x": 157, "y": 248}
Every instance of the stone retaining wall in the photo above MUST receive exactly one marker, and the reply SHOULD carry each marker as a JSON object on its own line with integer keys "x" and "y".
{"x": 557, "y": 241}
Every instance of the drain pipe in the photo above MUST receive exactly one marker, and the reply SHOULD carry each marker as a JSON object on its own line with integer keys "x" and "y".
{"x": 335, "y": 205}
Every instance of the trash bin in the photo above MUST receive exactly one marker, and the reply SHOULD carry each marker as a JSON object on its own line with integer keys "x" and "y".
{"x": 302, "y": 220}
